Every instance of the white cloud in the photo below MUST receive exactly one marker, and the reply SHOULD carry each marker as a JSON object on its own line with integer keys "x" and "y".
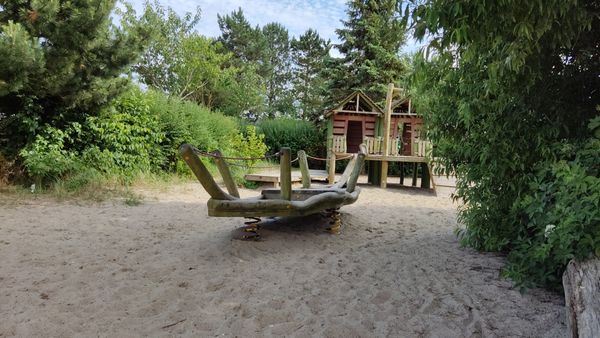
{"x": 296, "y": 15}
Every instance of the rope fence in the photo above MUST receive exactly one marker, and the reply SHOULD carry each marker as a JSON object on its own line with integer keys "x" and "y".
{"x": 263, "y": 158}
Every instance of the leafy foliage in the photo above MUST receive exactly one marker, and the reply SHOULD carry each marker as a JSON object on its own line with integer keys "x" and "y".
{"x": 53, "y": 70}
{"x": 295, "y": 134}
{"x": 249, "y": 145}
{"x": 128, "y": 134}
{"x": 46, "y": 157}
{"x": 184, "y": 64}
{"x": 559, "y": 216}
{"x": 505, "y": 82}
{"x": 186, "y": 122}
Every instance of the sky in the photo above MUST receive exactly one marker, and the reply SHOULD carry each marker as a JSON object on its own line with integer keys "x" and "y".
{"x": 296, "y": 15}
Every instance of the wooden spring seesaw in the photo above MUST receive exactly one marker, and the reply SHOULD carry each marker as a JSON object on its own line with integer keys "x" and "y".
{"x": 276, "y": 202}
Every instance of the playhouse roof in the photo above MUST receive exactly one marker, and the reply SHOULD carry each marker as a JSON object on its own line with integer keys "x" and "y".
{"x": 403, "y": 107}
{"x": 356, "y": 103}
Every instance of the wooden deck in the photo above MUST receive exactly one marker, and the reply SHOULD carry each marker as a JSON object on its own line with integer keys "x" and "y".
{"x": 272, "y": 176}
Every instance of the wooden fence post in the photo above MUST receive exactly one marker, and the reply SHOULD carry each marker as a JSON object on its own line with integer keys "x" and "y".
{"x": 285, "y": 179}
{"x": 302, "y": 160}
{"x": 331, "y": 168}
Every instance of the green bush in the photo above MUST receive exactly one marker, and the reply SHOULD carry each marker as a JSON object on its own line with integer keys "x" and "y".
{"x": 296, "y": 134}
{"x": 249, "y": 145}
{"x": 47, "y": 157}
{"x": 186, "y": 122}
{"x": 560, "y": 217}
{"x": 123, "y": 140}
{"x": 126, "y": 136}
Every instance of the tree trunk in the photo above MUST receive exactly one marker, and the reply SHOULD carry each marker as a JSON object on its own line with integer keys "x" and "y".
{"x": 581, "y": 282}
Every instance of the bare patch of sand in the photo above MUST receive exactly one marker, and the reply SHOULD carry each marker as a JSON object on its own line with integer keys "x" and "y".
{"x": 164, "y": 268}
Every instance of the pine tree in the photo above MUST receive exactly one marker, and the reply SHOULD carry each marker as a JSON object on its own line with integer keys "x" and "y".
{"x": 266, "y": 49}
{"x": 239, "y": 37}
{"x": 309, "y": 54}
{"x": 370, "y": 44}
{"x": 277, "y": 69}
{"x": 60, "y": 60}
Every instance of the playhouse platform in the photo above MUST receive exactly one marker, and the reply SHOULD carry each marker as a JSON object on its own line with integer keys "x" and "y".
{"x": 272, "y": 176}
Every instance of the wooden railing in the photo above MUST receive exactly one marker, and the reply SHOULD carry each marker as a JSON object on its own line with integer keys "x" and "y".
{"x": 421, "y": 148}
{"x": 374, "y": 146}
{"x": 339, "y": 144}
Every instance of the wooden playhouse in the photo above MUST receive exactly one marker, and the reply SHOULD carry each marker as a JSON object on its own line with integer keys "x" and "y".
{"x": 391, "y": 134}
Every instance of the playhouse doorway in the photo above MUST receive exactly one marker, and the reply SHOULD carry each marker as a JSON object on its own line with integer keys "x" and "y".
{"x": 354, "y": 136}
{"x": 407, "y": 139}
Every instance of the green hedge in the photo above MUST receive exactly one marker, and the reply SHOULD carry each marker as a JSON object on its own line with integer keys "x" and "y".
{"x": 139, "y": 133}
{"x": 296, "y": 134}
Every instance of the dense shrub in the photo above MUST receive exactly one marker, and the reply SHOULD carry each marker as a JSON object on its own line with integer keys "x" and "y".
{"x": 186, "y": 122}
{"x": 296, "y": 134}
{"x": 127, "y": 135}
{"x": 139, "y": 133}
{"x": 249, "y": 144}
{"x": 122, "y": 140}
{"x": 46, "y": 158}
{"x": 502, "y": 84}
{"x": 560, "y": 216}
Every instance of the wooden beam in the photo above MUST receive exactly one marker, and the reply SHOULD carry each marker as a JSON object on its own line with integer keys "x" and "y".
{"x": 302, "y": 160}
{"x": 401, "y": 173}
{"x": 414, "y": 177}
{"x": 425, "y": 178}
{"x": 331, "y": 168}
{"x": 285, "y": 166}
{"x": 384, "y": 174}
{"x": 202, "y": 174}
{"x": 399, "y": 158}
{"x": 355, "y": 112}
{"x": 387, "y": 114}
{"x": 226, "y": 174}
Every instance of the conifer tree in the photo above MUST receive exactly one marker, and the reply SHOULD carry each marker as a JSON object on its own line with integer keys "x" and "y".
{"x": 277, "y": 69}
{"x": 370, "y": 45}
{"x": 266, "y": 49}
{"x": 60, "y": 60}
{"x": 239, "y": 37}
{"x": 309, "y": 54}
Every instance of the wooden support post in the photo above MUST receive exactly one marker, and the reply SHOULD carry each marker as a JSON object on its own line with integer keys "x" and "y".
{"x": 331, "y": 168}
{"x": 226, "y": 174}
{"x": 402, "y": 173}
{"x": 425, "y": 178}
{"x": 285, "y": 178}
{"x": 384, "y": 174}
{"x": 414, "y": 178}
{"x": 302, "y": 160}
{"x": 202, "y": 174}
{"x": 387, "y": 120}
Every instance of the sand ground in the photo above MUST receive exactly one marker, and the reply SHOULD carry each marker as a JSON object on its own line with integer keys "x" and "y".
{"x": 164, "y": 268}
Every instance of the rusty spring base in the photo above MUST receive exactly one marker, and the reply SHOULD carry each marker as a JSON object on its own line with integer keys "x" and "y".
{"x": 335, "y": 222}
{"x": 251, "y": 229}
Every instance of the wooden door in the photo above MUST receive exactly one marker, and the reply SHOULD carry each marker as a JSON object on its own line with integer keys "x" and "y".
{"x": 407, "y": 139}
{"x": 355, "y": 136}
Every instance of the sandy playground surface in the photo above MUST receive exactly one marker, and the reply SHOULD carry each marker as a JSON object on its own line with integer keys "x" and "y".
{"x": 164, "y": 268}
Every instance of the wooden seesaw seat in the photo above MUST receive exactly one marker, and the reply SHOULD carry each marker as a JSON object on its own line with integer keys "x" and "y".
{"x": 275, "y": 202}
